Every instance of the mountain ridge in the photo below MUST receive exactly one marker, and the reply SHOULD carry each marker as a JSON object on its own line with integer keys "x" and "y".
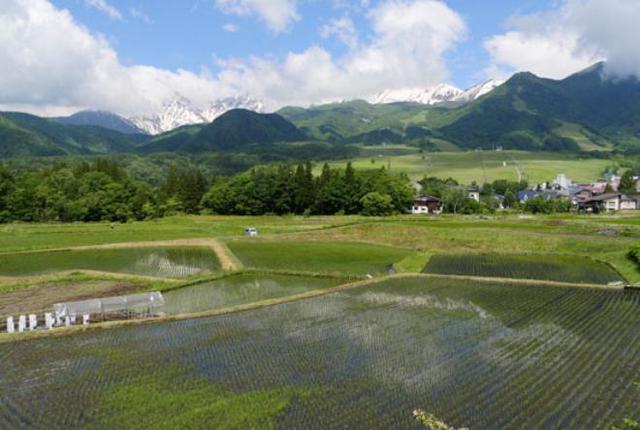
{"x": 583, "y": 112}
{"x": 234, "y": 129}
{"x": 104, "y": 119}
{"x": 441, "y": 94}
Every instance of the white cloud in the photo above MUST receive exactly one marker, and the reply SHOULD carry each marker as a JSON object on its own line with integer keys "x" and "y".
{"x": 568, "y": 38}
{"x": 50, "y": 64}
{"x": 105, "y": 8}
{"x": 230, "y": 28}
{"x": 406, "y": 50}
{"x": 278, "y": 14}
{"x": 139, "y": 14}
{"x": 343, "y": 28}
{"x": 609, "y": 28}
{"x": 552, "y": 54}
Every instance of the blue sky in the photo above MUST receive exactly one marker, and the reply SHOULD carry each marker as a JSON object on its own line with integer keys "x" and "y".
{"x": 189, "y": 34}
{"x": 133, "y": 57}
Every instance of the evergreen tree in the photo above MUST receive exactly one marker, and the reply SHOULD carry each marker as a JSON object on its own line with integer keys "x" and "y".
{"x": 303, "y": 188}
{"x": 330, "y": 197}
{"x": 510, "y": 199}
{"x": 352, "y": 191}
{"x": 627, "y": 183}
{"x": 6, "y": 188}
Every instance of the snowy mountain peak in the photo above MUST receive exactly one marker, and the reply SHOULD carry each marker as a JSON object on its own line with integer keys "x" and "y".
{"x": 428, "y": 96}
{"x": 443, "y": 93}
{"x": 477, "y": 91}
{"x": 181, "y": 111}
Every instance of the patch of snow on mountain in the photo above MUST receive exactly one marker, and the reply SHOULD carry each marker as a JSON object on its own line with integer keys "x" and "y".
{"x": 181, "y": 111}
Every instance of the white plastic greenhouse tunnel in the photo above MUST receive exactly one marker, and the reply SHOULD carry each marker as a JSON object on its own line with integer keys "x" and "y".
{"x": 133, "y": 306}
{"x": 84, "y": 312}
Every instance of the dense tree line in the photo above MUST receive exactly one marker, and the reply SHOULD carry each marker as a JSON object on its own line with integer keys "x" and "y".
{"x": 96, "y": 191}
{"x": 101, "y": 190}
{"x": 284, "y": 189}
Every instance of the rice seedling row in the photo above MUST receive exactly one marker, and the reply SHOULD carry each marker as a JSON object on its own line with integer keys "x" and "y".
{"x": 572, "y": 269}
{"x": 343, "y": 258}
{"x": 576, "y": 376}
{"x": 477, "y": 355}
{"x": 509, "y": 357}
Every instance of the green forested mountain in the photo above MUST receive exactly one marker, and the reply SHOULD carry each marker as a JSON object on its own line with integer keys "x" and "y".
{"x": 28, "y": 135}
{"x": 586, "y": 111}
{"x": 529, "y": 112}
{"x": 235, "y": 129}
{"x": 338, "y": 121}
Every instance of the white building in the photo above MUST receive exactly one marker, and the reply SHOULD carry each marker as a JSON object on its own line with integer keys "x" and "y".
{"x": 426, "y": 205}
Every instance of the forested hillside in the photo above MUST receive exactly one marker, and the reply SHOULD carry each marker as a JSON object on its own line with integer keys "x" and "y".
{"x": 28, "y": 135}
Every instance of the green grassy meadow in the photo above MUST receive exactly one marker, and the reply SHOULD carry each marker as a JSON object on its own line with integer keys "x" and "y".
{"x": 29, "y": 237}
{"x": 484, "y": 166}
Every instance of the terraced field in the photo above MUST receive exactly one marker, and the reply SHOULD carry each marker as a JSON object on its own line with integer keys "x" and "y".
{"x": 354, "y": 259}
{"x": 241, "y": 289}
{"x": 175, "y": 262}
{"x": 475, "y": 354}
{"x": 561, "y": 268}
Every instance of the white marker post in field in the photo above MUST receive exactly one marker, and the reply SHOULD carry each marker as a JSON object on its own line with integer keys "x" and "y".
{"x": 49, "y": 321}
{"x": 33, "y": 322}
{"x": 11, "y": 325}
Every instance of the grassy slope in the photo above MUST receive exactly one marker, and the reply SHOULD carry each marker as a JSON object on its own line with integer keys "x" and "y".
{"x": 467, "y": 167}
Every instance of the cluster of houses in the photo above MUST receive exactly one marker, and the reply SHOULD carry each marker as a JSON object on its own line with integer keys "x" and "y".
{"x": 595, "y": 197}
{"x": 599, "y": 196}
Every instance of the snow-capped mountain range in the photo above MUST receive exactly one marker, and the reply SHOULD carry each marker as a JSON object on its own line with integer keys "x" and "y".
{"x": 181, "y": 111}
{"x": 439, "y": 94}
